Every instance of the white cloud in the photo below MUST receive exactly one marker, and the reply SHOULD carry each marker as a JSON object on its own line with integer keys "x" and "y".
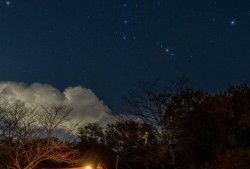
{"x": 87, "y": 108}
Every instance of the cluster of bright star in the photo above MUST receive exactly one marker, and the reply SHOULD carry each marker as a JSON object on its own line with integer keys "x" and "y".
{"x": 127, "y": 21}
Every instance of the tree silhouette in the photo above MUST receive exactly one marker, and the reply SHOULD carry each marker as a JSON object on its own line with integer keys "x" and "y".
{"x": 31, "y": 138}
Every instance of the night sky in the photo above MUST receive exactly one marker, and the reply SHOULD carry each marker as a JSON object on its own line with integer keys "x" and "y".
{"x": 109, "y": 46}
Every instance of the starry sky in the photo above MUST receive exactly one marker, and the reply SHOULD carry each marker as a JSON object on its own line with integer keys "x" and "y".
{"x": 109, "y": 46}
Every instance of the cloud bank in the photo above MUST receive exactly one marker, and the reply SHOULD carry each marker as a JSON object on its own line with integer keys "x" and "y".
{"x": 87, "y": 108}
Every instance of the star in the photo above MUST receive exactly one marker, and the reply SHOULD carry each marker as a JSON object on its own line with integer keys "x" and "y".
{"x": 232, "y": 22}
{"x": 124, "y": 37}
{"x": 167, "y": 50}
{"x": 7, "y": 3}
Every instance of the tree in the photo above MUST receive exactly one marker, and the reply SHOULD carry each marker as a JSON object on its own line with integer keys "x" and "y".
{"x": 177, "y": 135}
{"x": 92, "y": 144}
{"x": 165, "y": 109}
{"x": 30, "y": 134}
{"x": 91, "y": 133}
{"x": 220, "y": 126}
{"x": 134, "y": 142}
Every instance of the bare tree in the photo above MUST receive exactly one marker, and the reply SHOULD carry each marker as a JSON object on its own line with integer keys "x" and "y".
{"x": 53, "y": 118}
{"x": 30, "y": 136}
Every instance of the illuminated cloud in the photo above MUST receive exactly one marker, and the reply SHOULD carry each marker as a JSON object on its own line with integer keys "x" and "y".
{"x": 87, "y": 108}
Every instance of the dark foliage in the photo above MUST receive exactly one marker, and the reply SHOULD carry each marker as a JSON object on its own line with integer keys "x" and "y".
{"x": 186, "y": 128}
{"x": 161, "y": 130}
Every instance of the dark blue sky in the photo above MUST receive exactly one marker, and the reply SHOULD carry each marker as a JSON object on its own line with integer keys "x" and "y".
{"x": 110, "y": 45}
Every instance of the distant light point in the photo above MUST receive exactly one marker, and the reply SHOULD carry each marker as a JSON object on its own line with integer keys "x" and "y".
{"x": 7, "y": 3}
{"x": 232, "y": 22}
{"x": 124, "y": 5}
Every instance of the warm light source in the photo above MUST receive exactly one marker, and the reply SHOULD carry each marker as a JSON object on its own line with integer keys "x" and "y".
{"x": 88, "y": 167}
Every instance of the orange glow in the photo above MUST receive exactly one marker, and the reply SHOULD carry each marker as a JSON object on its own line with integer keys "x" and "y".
{"x": 88, "y": 167}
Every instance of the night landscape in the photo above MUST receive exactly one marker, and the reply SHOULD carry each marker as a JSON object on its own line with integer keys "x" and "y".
{"x": 124, "y": 84}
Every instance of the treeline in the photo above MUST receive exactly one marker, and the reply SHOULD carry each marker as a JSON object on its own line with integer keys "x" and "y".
{"x": 184, "y": 128}
{"x": 158, "y": 128}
